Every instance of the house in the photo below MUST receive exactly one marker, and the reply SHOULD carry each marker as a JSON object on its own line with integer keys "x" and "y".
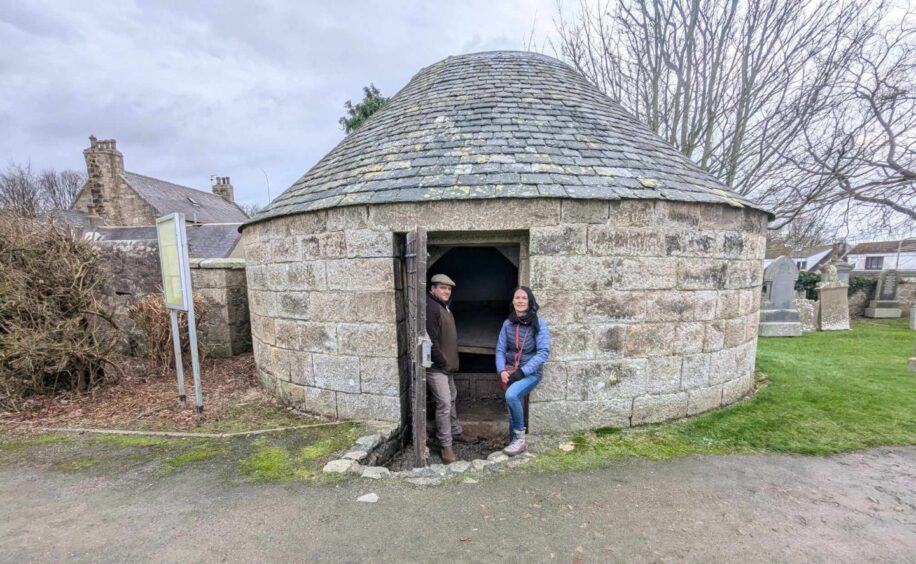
{"x": 872, "y": 258}
{"x": 122, "y": 198}
{"x": 808, "y": 259}
{"x": 502, "y": 169}
{"x": 117, "y": 210}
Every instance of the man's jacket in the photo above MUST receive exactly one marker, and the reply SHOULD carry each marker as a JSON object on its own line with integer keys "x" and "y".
{"x": 440, "y": 325}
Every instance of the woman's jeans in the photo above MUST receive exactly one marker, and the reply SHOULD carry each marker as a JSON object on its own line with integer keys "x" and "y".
{"x": 514, "y": 396}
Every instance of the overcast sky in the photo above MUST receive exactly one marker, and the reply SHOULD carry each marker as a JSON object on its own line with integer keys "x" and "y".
{"x": 196, "y": 88}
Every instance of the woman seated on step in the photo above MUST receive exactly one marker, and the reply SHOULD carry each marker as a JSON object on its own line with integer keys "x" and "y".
{"x": 521, "y": 351}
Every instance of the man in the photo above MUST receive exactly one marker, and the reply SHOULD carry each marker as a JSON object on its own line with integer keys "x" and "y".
{"x": 440, "y": 325}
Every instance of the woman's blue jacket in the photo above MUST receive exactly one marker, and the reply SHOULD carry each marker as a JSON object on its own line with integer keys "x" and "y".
{"x": 535, "y": 350}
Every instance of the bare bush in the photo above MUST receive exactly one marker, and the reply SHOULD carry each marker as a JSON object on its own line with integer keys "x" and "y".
{"x": 153, "y": 323}
{"x": 50, "y": 312}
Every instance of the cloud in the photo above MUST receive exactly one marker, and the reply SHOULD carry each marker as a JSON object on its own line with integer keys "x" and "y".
{"x": 191, "y": 89}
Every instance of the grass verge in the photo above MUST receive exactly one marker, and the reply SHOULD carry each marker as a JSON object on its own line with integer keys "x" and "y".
{"x": 826, "y": 392}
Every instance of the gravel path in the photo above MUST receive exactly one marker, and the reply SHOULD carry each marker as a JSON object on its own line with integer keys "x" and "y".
{"x": 850, "y": 508}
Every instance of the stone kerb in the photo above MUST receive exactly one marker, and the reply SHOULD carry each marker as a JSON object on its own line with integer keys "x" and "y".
{"x": 653, "y": 306}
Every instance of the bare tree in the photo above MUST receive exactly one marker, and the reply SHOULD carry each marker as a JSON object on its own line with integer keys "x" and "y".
{"x": 19, "y": 191}
{"x": 60, "y": 188}
{"x": 250, "y": 209}
{"x": 866, "y": 149}
{"x": 769, "y": 96}
{"x": 27, "y": 194}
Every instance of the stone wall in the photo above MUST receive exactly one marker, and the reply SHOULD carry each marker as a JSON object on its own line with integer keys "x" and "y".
{"x": 135, "y": 273}
{"x": 134, "y": 267}
{"x": 226, "y": 331}
{"x": 652, "y": 306}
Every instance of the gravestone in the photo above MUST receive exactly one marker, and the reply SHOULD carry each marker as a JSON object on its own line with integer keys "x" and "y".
{"x": 913, "y": 317}
{"x": 843, "y": 270}
{"x": 778, "y": 315}
{"x": 884, "y": 303}
{"x": 832, "y": 301}
{"x": 807, "y": 314}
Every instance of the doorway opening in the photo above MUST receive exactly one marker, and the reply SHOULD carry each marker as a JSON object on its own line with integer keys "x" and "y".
{"x": 485, "y": 277}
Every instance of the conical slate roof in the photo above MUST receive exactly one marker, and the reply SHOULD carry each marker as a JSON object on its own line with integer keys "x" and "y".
{"x": 499, "y": 125}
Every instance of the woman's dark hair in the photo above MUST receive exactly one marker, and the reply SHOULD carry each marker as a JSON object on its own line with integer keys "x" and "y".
{"x": 531, "y": 316}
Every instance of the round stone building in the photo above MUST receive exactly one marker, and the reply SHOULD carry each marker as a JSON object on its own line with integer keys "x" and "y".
{"x": 519, "y": 171}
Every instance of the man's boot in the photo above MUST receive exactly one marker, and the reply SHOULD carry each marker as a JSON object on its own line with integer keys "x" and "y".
{"x": 448, "y": 455}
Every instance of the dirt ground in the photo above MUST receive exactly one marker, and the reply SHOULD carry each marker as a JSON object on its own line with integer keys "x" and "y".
{"x": 849, "y": 508}
{"x": 143, "y": 397}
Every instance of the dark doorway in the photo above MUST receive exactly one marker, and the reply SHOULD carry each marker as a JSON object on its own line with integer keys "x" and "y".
{"x": 485, "y": 277}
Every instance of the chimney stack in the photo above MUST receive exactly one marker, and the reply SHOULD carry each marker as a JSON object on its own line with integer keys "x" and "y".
{"x": 93, "y": 221}
{"x": 104, "y": 167}
{"x": 222, "y": 187}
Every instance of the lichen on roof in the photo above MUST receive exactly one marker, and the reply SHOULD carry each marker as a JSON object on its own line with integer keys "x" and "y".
{"x": 500, "y": 124}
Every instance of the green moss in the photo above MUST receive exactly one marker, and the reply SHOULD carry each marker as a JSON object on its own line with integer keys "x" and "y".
{"x": 252, "y": 417}
{"x": 140, "y": 440}
{"x": 268, "y": 463}
{"x": 197, "y": 455}
{"x": 79, "y": 464}
{"x": 11, "y": 444}
{"x": 319, "y": 449}
{"x": 53, "y": 439}
{"x": 827, "y": 392}
{"x": 292, "y": 455}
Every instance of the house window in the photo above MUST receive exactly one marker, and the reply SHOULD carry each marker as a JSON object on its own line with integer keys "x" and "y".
{"x": 874, "y": 263}
{"x": 801, "y": 264}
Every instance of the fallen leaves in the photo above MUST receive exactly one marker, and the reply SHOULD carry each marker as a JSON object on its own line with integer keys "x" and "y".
{"x": 143, "y": 398}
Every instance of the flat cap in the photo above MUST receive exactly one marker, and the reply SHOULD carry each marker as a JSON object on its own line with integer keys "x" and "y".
{"x": 443, "y": 279}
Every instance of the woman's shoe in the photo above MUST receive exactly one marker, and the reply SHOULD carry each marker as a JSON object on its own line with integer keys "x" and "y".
{"x": 517, "y": 446}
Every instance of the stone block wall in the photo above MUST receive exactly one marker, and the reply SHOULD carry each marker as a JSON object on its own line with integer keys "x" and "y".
{"x": 652, "y": 305}
{"x": 122, "y": 206}
{"x": 135, "y": 272}
{"x": 134, "y": 269}
{"x": 226, "y": 331}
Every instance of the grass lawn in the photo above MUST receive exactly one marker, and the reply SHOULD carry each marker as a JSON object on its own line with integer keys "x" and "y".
{"x": 825, "y": 392}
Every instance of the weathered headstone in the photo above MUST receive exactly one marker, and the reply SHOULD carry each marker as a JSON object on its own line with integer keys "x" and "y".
{"x": 778, "y": 315}
{"x": 843, "y": 270}
{"x": 807, "y": 314}
{"x": 913, "y": 317}
{"x": 832, "y": 301}
{"x": 884, "y": 304}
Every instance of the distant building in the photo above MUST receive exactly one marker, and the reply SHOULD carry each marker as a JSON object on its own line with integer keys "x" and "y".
{"x": 125, "y": 199}
{"x": 872, "y": 258}
{"x": 117, "y": 210}
{"x": 806, "y": 260}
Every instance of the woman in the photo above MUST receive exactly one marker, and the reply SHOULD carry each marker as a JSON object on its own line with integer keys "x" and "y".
{"x": 521, "y": 351}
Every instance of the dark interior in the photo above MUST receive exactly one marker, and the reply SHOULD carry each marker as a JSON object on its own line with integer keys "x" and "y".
{"x": 485, "y": 278}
